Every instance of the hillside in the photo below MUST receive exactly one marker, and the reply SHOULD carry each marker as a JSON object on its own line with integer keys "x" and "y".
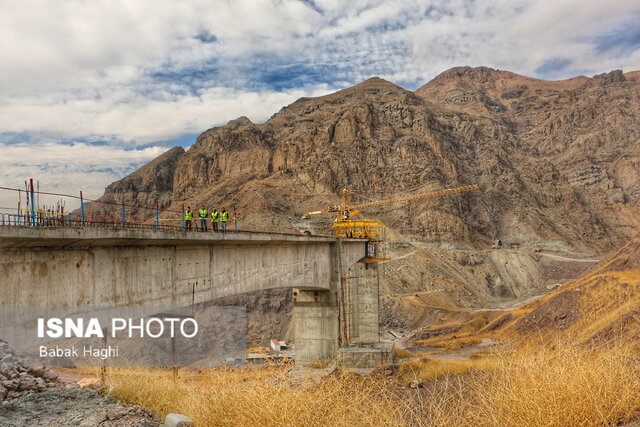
{"x": 602, "y": 305}
{"x": 599, "y": 307}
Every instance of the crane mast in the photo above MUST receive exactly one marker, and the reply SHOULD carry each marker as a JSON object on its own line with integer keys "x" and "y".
{"x": 373, "y": 231}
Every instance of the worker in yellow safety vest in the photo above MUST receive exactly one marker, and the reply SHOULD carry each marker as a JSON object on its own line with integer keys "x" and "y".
{"x": 188, "y": 218}
{"x": 202, "y": 214}
{"x": 215, "y": 219}
{"x": 224, "y": 217}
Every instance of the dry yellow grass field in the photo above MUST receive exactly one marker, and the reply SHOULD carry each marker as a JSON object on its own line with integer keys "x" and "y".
{"x": 259, "y": 397}
{"x": 431, "y": 368}
{"x": 543, "y": 385}
{"x": 536, "y": 385}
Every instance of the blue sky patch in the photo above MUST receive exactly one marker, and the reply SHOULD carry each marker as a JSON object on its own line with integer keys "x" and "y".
{"x": 551, "y": 68}
{"x": 206, "y": 37}
{"x": 182, "y": 141}
{"x": 621, "y": 41}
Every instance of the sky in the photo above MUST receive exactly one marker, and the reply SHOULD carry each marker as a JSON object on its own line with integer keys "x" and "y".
{"x": 91, "y": 90}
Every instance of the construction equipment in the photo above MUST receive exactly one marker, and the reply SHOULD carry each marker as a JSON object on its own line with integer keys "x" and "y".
{"x": 372, "y": 229}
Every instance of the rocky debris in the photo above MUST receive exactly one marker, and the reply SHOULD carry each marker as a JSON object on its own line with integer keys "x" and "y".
{"x": 18, "y": 379}
{"x": 417, "y": 383}
{"x": 32, "y": 395}
{"x": 121, "y": 415}
{"x": 391, "y": 317}
{"x": 73, "y": 407}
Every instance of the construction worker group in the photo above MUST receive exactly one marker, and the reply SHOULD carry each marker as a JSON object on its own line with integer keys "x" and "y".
{"x": 218, "y": 219}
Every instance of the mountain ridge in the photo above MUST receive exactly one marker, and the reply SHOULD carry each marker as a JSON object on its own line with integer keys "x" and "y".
{"x": 558, "y": 168}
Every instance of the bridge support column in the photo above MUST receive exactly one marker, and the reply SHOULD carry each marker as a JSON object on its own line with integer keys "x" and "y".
{"x": 341, "y": 323}
{"x": 316, "y": 313}
{"x": 363, "y": 280}
{"x": 315, "y": 326}
{"x": 364, "y": 349}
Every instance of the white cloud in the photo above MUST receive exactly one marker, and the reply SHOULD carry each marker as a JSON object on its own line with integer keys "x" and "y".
{"x": 135, "y": 72}
{"x": 77, "y": 44}
{"x": 139, "y": 120}
{"x": 519, "y": 36}
{"x": 66, "y": 168}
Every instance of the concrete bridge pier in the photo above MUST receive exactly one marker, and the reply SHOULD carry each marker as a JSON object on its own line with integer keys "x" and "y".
{"x": 341, "y": 323}
{"x": 363, "y": 348}
{"x": 315, "y": 325}
{"x": 364, "y": 288}
{"x": 316, "y": 313}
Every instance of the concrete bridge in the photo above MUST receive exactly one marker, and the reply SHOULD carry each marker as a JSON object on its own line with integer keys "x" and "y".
{"x": 335, "y": 298}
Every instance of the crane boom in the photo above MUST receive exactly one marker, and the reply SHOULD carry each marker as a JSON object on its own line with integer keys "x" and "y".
{"x": 350, "y": 208}
{"x": 429, "y": 195}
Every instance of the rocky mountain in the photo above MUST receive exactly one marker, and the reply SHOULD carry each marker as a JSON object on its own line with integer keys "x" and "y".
{"x": 153, "y": 181}
{"x": 558, "y": 162}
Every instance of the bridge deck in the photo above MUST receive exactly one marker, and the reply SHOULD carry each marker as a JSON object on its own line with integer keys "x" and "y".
{"x": 25, "y": 237}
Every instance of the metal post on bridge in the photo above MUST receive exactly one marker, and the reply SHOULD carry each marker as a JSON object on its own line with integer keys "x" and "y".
{"x": 183, "y": 217}
{"x": 124, "y": 214}
{"x": 157, "y": 215}
{"x": 33, "y": 208}
{"x": 235, "y": 219}
{"x": 82, "y": 209}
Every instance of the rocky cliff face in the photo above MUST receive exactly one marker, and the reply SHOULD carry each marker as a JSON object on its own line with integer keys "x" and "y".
{"x": 153, "y": 181}
{"x": 558, "y": 162}
{"x": 579, "y": 144}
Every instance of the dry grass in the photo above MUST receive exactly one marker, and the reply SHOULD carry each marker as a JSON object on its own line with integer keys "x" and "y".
{"x": 229, "y": 398}
{"x": 450, "y": 343}
{"x": 565, "y": 386}
{"x": 562, "y": 385}
{"x": 430, "y": 368}
{"x": 454, "y": 335}
{"x": 535, "y": 385}
{"x": 402, "y": 353}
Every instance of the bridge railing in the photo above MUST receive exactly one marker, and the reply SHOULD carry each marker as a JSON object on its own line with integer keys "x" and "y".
{"x": 13, "y": 220}
{"x": 29, "y": 212}
{"x": 7, "y": 219}
{"x": 110, "y": 214}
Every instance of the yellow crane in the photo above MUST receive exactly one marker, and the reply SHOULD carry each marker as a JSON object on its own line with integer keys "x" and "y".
{"x": 373, "y": 229}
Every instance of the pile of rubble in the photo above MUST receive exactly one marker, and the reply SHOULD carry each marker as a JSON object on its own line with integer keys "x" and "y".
{"x": 32, "y": 395}
{"x": 17, "y": 379}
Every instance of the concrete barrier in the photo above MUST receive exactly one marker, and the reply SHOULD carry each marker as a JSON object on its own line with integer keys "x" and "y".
{"x": 177, "y": 420}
